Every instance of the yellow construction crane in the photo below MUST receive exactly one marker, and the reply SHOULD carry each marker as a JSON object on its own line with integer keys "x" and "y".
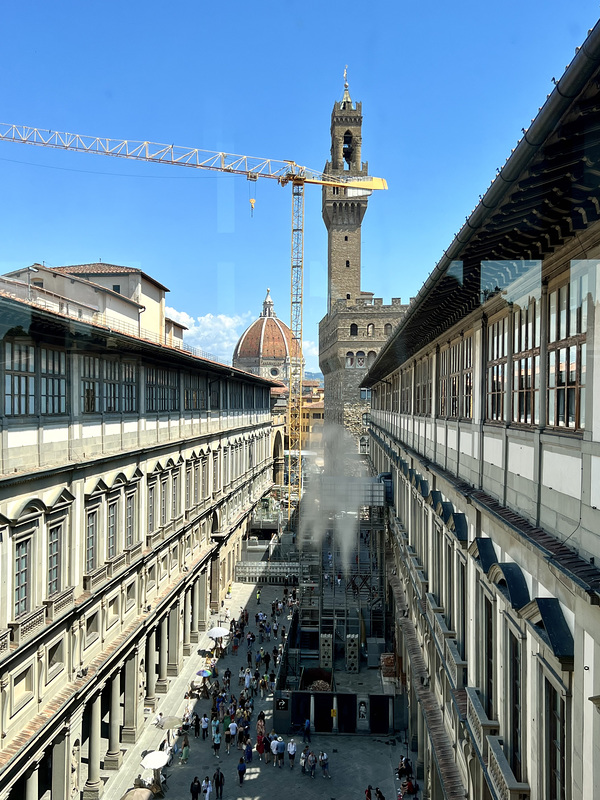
{"x": 283, "y": 172}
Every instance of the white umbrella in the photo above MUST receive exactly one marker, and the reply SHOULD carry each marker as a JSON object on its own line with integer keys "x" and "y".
{"x": 155, "y": 759}
{"x": 218, "y": 633}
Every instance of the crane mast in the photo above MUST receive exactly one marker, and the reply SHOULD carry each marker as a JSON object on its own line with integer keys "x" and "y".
{"x": 252, "y": 167}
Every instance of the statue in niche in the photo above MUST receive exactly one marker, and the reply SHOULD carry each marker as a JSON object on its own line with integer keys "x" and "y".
{"x": 75, "y": 771}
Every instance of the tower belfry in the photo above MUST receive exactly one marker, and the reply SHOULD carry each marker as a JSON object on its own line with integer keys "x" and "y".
{"x": 344, "y": 209}
{"x": 356, "y": 324}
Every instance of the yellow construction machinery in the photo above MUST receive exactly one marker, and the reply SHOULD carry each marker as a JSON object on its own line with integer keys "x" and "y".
{"x": 283, "y": 172}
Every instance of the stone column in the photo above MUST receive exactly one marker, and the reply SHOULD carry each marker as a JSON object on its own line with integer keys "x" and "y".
{"x": 134, "y": 710}
{"x": 163, "y": 682}
{"x": 421, "y": 745}
{"x": 335, "y": 727}
{"x": 175, "y": 661}
{"x": 194, "y": 636}
{"x": 312, "y": 713}
{"x": 413, "y": 713}
{"x": 60, "y": 768}
{"x": 151, "y": 670}
{"x": 114, "y": 757}
{"x": 202, "y": 580}
{"x": 187, "y": 621}
{"x": 31, "y": 783}
{"x": 94, "y": 786}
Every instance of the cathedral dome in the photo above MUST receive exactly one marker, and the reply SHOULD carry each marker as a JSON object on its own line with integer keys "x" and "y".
{"x": 265, "y": 346}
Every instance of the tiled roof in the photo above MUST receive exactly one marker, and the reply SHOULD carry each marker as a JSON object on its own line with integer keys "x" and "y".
{"x": 267, "y": 337}
{"x": 96, "y": 269}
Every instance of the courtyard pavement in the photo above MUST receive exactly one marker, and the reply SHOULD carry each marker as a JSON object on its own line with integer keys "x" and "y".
{"x": 354, "y": 760}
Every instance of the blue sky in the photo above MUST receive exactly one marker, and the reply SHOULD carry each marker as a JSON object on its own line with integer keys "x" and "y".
{"x": 445, "y": 87}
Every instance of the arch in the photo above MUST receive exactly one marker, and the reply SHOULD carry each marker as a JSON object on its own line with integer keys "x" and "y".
{"x": 348, "y": 148}
{"x": 371, "y": 356}
{"x": 349, "y": 359}
{"x": 214, "y": 525}
{"x": 360, "y": 358}
{"x": 370, "y": 329}
{"x": 354, "y": 329}
{"x": 387, "y": 329}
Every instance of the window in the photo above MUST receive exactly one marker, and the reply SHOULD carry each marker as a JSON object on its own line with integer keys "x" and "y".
{"x": 22, "y": 576}
{"x": 365, "y": 394}
{"x": 496, "y": 368}
{"x": 128, "y": 387}
{"x": 111, "y": 386}
{"x": 526, "y": 362}
{"x": 556, "y": 779}
{"x": 56, "y": 656}
{"x": 204, "y": 478}
{"x": 215, "y": 472}
{"x": 19, "y": 382}
{"x": 349, "y": 359}
{"x": 91, "y": 533}
{"x": 53, "y": 395}
{"x": 423, "y": 385}
{"x": 175, "y": 495}
{"x": 371, "y": 356}
{"x": 54, "y": 542}
{"x": 194, "y": 392}
{"x": 406, "y": 391}
{"x": 567, "y": 353}
{"x": 188, "y": 488}
{"x": 163, "y": 503}
{"x": 162, "y": 390}
{"x": 370, "y": 329}
{"x": 514, "y": 705}
{"x": 354, "y": 329}
{"x": 347, "y": 263}
{"x": 111, "y": 537}
{"x": 90, "y": 385}
{"x": 387, "y": 329}
{"x": 215, "y": 395}
{"x": 360, "y": 359}
{"x": 488, "y": 665}
{"x": 129, "y": 520}
{"x": 151, "y": 502}
{"x": 196, "y": 482}
{"x": 116, "y": 288}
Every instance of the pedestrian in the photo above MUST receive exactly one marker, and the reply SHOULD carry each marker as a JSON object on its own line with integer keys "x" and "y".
{"x": 280, "y": 752}
{"x": 227, "y": 729}
{"x": 185, "y": 752}
{"x": 368, "y": 795}
{"x": 241, "y": 768}
{"x": 274, "y": 750}
{"x": 267, "y": 746}
{"x": 218, "y": 782}
{"x": 303, "y": 757}
{"x": 275, "y": 629}
{"x": 263, "y": 688}
{"x": 272, "y": 682}
{"x": 233, "y": 729}
{"x": 217, "y": 743}
{"x": 256, "y": 619}
{"x": 283, "y": 633}
{"x": 258, "y": 597}
{"x": 291, "y": 748}
{"x": 158, "y": 721}
{"x": 204, "y": 725}
{"x": 207, "y": 788}
{"x": 324, "y": 764}
{"x": 249, "y": 658}
{"x": 268, "y": 631}
{"x": 196, "y": 722}
{"x": 248, "y": 751}
{"x": 235, "y": 643}
{"x": 306, "y": 735}
{"x": 311, "y": 763}
{"x": 260, "y": 746}
{"x": 267, "y": 660}
{"x": 378, "y": 794}
{"x": 195, "y": 788}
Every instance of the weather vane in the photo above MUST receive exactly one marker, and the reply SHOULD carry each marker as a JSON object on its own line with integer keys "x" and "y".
{"x": 346, "y": 76}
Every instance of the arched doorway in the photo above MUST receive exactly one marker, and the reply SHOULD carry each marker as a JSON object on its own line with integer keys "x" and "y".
{"x": 278, "y": 459}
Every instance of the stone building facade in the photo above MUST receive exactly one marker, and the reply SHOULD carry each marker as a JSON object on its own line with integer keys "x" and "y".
{"x": 486, "y": 414}
{"x": 356, "y": 324}
{"x": 129, "y": 470}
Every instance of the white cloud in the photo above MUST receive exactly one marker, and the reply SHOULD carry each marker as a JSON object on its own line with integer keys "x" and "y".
{"x": 216, "y": 333}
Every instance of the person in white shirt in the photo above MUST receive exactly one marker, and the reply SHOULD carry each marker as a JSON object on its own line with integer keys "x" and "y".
{"x": 207, "y": 787}
{"x": 159, "y": 720}
{"x": 291, "y": 748}
{"x": 274, "y": 751}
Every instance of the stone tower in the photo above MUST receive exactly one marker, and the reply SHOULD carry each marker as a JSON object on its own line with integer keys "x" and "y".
{"x": 356, "y": 324}
{"x": 344, "y": 209}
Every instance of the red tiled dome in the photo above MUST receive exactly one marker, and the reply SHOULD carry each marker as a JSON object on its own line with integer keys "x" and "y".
{"x": 266, "y": 338}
